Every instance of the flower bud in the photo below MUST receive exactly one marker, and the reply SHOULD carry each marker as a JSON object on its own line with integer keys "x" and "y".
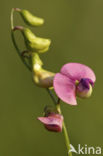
{"x": 53, "y": 122}
{"x": 36, "y": 62}
{"x": 32, "y": 42}
{"x": 39, "y": 45}
{"x": 84, "y": 88}
{"x": 28, "y": 35}
{"x": 41, "y": 77}
{"x": 29, "y": 18}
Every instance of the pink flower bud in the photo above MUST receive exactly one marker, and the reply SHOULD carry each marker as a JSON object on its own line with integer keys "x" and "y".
{"x": 53, "y": 122}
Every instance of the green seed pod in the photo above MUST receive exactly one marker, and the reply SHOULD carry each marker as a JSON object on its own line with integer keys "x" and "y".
{"x": 29, "y": 18}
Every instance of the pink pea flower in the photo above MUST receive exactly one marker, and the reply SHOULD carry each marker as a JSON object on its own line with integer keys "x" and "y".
{"x": 74, "y": 79}
{"x": 53, "y": 122}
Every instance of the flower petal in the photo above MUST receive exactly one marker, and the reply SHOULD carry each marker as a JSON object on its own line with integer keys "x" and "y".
{"x": 52, "y": 122}
{"x": 65, "y": 88}
{"x": 47, "y": 120}
{"x": 76, "y": 71}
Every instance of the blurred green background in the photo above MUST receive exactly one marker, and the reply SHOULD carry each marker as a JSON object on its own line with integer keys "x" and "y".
{"x": 76, "y": 30}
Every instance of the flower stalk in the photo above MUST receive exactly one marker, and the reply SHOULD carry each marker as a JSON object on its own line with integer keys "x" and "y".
{"x": 65, "y": 132}
{"x": 15, "y": 44}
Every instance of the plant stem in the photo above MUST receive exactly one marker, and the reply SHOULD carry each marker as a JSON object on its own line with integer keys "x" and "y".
{"x": 52, "y": 96}
{"x": 57, "y": 102}
{"x": 15, "y": 44}
{"x": 18, "y": 51}
{"x": 11, "y": 18}
{"x": 67, "y": 141}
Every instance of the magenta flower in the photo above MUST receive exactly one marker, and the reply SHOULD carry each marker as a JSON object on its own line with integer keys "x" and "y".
{"x": 74, "y": 79}
{"x": 53, "y": 122}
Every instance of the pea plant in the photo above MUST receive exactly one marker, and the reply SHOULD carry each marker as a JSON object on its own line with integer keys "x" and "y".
{"x": 72, "y": 81}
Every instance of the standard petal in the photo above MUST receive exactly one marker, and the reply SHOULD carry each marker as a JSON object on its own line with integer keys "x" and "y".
{"x": 76, "y": 71}
{"x": 65, "y": 88}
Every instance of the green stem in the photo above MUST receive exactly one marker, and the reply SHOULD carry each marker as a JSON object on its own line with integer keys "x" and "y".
{"x": 15, "y": 44}
{"x": 67, "y": 141}
{"x": 52, "y": 96}
{"x": 57, "y": 102}
{"x": 18, "y": 51}
{"x": 11, "y": 18}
